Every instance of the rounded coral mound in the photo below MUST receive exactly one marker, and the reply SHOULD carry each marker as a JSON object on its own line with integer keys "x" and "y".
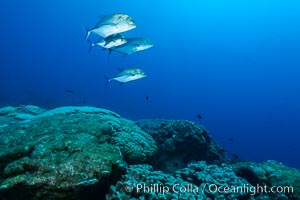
{"x": 135, "y": 144}
{"x": 65, "y": 149}
{"x": 180, "y": 142}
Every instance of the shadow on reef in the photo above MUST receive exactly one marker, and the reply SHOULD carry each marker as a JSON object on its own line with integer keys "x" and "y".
{"x": 90, "y": 190}
{"x": 270, "y": 173}
{"x": 180, "y": 142}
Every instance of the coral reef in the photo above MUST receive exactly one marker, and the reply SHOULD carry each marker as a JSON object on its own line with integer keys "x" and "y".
{"x": 10, "y": 115}
{"x": 180, "y": 142}
{"x": 271, "y": 174}
{"x": 197, "y": 181}
{"x": 93, "y": 153}
{"x": 57, "y": 153}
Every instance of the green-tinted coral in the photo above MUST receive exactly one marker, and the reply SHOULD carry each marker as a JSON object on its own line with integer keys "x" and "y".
{"x": 65, "y": 149}
{"x": 135, "y": 143}
{"x": 271, "y": 173}
{"x": 180, "y": 142}
{"x": 142, "y": 182}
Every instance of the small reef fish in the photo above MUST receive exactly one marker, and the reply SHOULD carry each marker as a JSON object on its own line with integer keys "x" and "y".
{"x": 127, "y": 75}
{"x": 109, "y": 42}
{"x": 134, "y": 45}
{"x": 69, "y": 91}
{"x": 199, "y": 116}
{"x": 111, "y": 24}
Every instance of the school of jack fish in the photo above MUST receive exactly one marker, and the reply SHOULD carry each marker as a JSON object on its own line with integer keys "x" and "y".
{"x": 109, "y": 29}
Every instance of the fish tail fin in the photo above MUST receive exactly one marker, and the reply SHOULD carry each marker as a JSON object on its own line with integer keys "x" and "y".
{"x": 107, "y": 80}
{"x": 87, "y": 32}
{"x": 91, "y": 45}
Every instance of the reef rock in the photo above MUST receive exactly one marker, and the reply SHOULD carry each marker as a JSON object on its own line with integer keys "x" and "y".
{"x": 10, "y": 115}
{"x": 180, "y": 142}
{"x": 284, "y": 180}
{"x": 197, "y": 181}
{"x": 67, "y": 152}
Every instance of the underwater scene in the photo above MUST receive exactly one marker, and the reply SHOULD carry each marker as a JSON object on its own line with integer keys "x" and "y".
{"x": 150, "y": 100}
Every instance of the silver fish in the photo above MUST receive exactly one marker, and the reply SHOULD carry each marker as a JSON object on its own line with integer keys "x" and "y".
{"x": 127, "y": 75}
{"x": 111, "y": 24}
{"x": 134, "y": 45}
{"x": 109, "y": 42}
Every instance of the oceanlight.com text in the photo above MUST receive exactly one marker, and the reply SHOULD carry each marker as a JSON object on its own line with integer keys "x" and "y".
{"x": 207, "y": 188}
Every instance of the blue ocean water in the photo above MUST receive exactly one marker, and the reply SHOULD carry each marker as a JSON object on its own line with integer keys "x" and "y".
{"x": 236, "y": 63}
